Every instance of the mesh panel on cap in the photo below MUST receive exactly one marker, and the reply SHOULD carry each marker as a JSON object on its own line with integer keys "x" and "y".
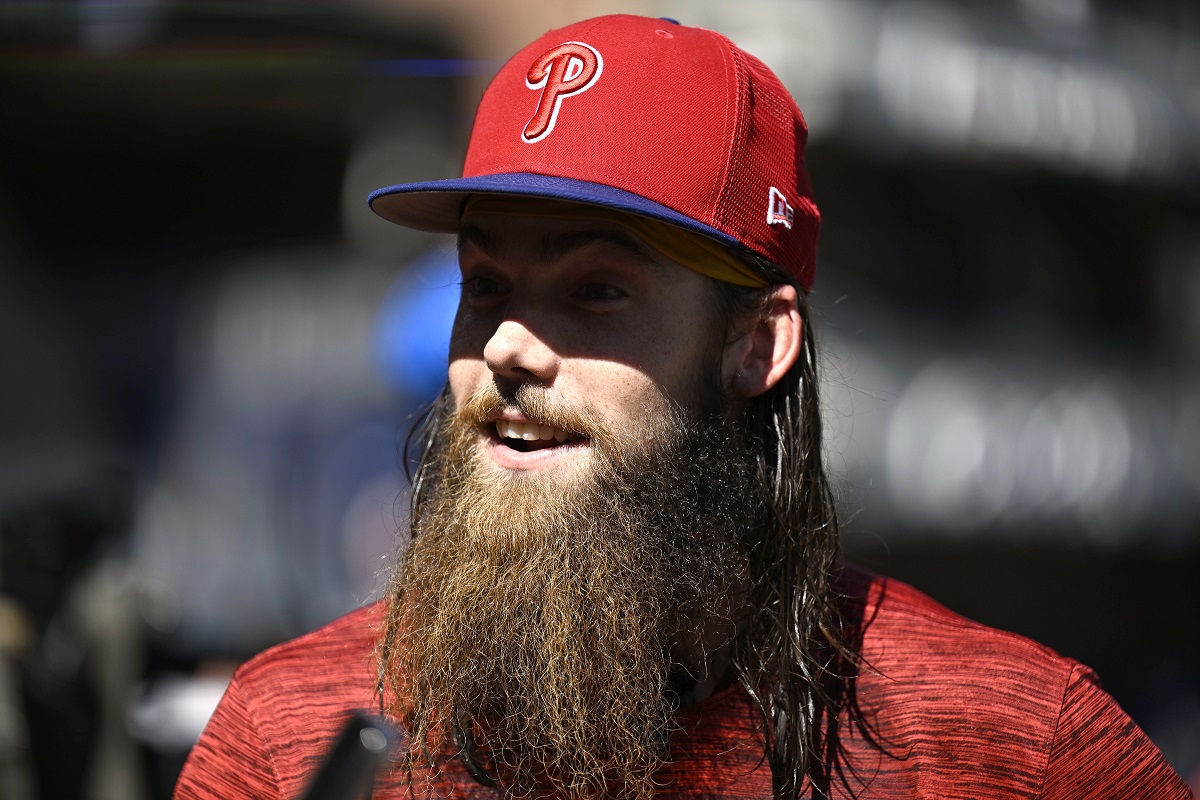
{"x": 771, "y": 139}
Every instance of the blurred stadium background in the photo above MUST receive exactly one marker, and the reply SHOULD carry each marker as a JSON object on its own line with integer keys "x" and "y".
{"x": 210, "y": 349}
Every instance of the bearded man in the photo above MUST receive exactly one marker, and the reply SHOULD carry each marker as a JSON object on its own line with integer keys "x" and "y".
{"x": 623, "y": 577}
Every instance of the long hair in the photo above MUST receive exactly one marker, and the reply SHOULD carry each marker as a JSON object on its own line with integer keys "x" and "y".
{"x": 790, "y": 655}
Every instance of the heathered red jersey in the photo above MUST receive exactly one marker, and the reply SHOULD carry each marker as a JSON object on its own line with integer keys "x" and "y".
{"x": 956, "y": 710}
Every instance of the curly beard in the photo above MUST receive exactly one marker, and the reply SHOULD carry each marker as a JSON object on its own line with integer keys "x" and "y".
{"x": 537, "y": 625}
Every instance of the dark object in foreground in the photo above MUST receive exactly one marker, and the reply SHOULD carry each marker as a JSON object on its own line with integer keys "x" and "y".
{"x": 349, "y": 770}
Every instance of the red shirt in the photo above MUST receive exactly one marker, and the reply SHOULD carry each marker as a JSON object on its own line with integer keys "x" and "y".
{"x": 960, "y": 711}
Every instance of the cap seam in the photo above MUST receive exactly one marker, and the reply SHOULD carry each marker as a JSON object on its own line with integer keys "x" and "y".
{"x": 739, "y": 124}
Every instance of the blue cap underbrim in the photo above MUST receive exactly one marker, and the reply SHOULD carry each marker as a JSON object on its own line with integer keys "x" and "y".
{"x": 437, "y": 205}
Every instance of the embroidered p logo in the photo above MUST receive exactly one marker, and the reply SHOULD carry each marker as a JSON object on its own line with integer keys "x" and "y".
{"x": 570, "y": 68}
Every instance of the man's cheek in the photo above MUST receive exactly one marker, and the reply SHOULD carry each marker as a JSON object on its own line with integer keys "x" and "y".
{"x": 466, "y": 342}
{"x": 465, "y": 376}
{"x": 471, "y": 332}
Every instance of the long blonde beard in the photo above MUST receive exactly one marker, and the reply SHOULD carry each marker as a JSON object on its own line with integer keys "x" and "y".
{"x": 534, "y": 621}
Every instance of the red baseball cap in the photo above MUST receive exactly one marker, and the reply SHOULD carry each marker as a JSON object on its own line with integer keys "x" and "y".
{"x": 645, "y": 116}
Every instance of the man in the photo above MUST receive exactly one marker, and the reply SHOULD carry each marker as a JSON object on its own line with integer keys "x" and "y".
{"x": 623, "y": 576}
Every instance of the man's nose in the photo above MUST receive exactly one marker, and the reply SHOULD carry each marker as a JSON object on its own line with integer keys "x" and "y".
{"x": 514, "y": 351}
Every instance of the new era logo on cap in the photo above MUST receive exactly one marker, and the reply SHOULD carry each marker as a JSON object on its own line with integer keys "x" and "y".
{"x": 563, "y": 71}
{"x": 779, "y": 211}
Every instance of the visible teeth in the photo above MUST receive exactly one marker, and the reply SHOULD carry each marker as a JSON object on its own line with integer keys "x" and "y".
{"x": 531, "y": 431}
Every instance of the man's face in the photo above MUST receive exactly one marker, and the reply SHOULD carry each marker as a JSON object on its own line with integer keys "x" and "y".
{"x": 585, "y": 313}
{"x": 635, "y": 487}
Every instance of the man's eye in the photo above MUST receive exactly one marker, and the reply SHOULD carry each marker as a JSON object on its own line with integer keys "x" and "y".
{"x": 600, "y": 291}
{"x": 481, "y": 287}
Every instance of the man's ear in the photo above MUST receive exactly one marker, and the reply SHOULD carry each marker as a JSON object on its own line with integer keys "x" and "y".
{"x": 765, "y": 345}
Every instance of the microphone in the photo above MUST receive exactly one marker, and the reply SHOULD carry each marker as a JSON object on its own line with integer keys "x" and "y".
{"x": 365, "y": 744}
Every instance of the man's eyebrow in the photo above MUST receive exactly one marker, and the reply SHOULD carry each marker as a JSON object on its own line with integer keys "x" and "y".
{"x": 556, "y": 246}
{"x": 485, "y": 240}
{"x": 559, "y": 245}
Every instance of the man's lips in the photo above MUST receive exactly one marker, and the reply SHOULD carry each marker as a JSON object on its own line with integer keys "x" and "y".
{"x": 525, "y": 444}
{"x": 533, "y": 434}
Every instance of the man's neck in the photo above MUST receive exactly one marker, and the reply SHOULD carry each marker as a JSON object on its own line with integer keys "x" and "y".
{"x": 704, "y": 656}
{"x": 685, "y": 688}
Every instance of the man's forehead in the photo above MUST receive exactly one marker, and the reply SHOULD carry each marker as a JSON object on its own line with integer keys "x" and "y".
{"x": 550, "y": 239}
{"x": 551, "y": 227}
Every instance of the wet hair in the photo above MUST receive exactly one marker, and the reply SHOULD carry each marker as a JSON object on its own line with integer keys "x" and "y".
{"x": 791, "y": 655}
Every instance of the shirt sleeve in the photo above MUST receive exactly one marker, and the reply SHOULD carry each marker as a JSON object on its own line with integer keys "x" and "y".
{"x": 1098, "y": 752}
{"x": 230, "y": 760}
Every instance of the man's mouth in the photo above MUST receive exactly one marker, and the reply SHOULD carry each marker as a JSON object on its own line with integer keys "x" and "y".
{"x": 528, "y": 436}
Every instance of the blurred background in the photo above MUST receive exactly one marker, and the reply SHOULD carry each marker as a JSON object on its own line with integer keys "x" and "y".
{"x": 210, "y": 350}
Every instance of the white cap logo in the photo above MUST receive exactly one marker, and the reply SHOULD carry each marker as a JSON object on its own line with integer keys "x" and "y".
{"x": 779, "y": 211}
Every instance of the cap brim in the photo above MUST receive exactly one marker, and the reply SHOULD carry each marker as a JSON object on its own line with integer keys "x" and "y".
{"x": 437, "y": 205}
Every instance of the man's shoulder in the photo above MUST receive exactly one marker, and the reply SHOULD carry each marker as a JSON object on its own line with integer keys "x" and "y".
{"x": 283, "y": 710}
{"x": 903, "y": 627}
{"x": 936, "y": 683}
{"x": 336, "y": 660}
{"x": 965, "y": 704}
